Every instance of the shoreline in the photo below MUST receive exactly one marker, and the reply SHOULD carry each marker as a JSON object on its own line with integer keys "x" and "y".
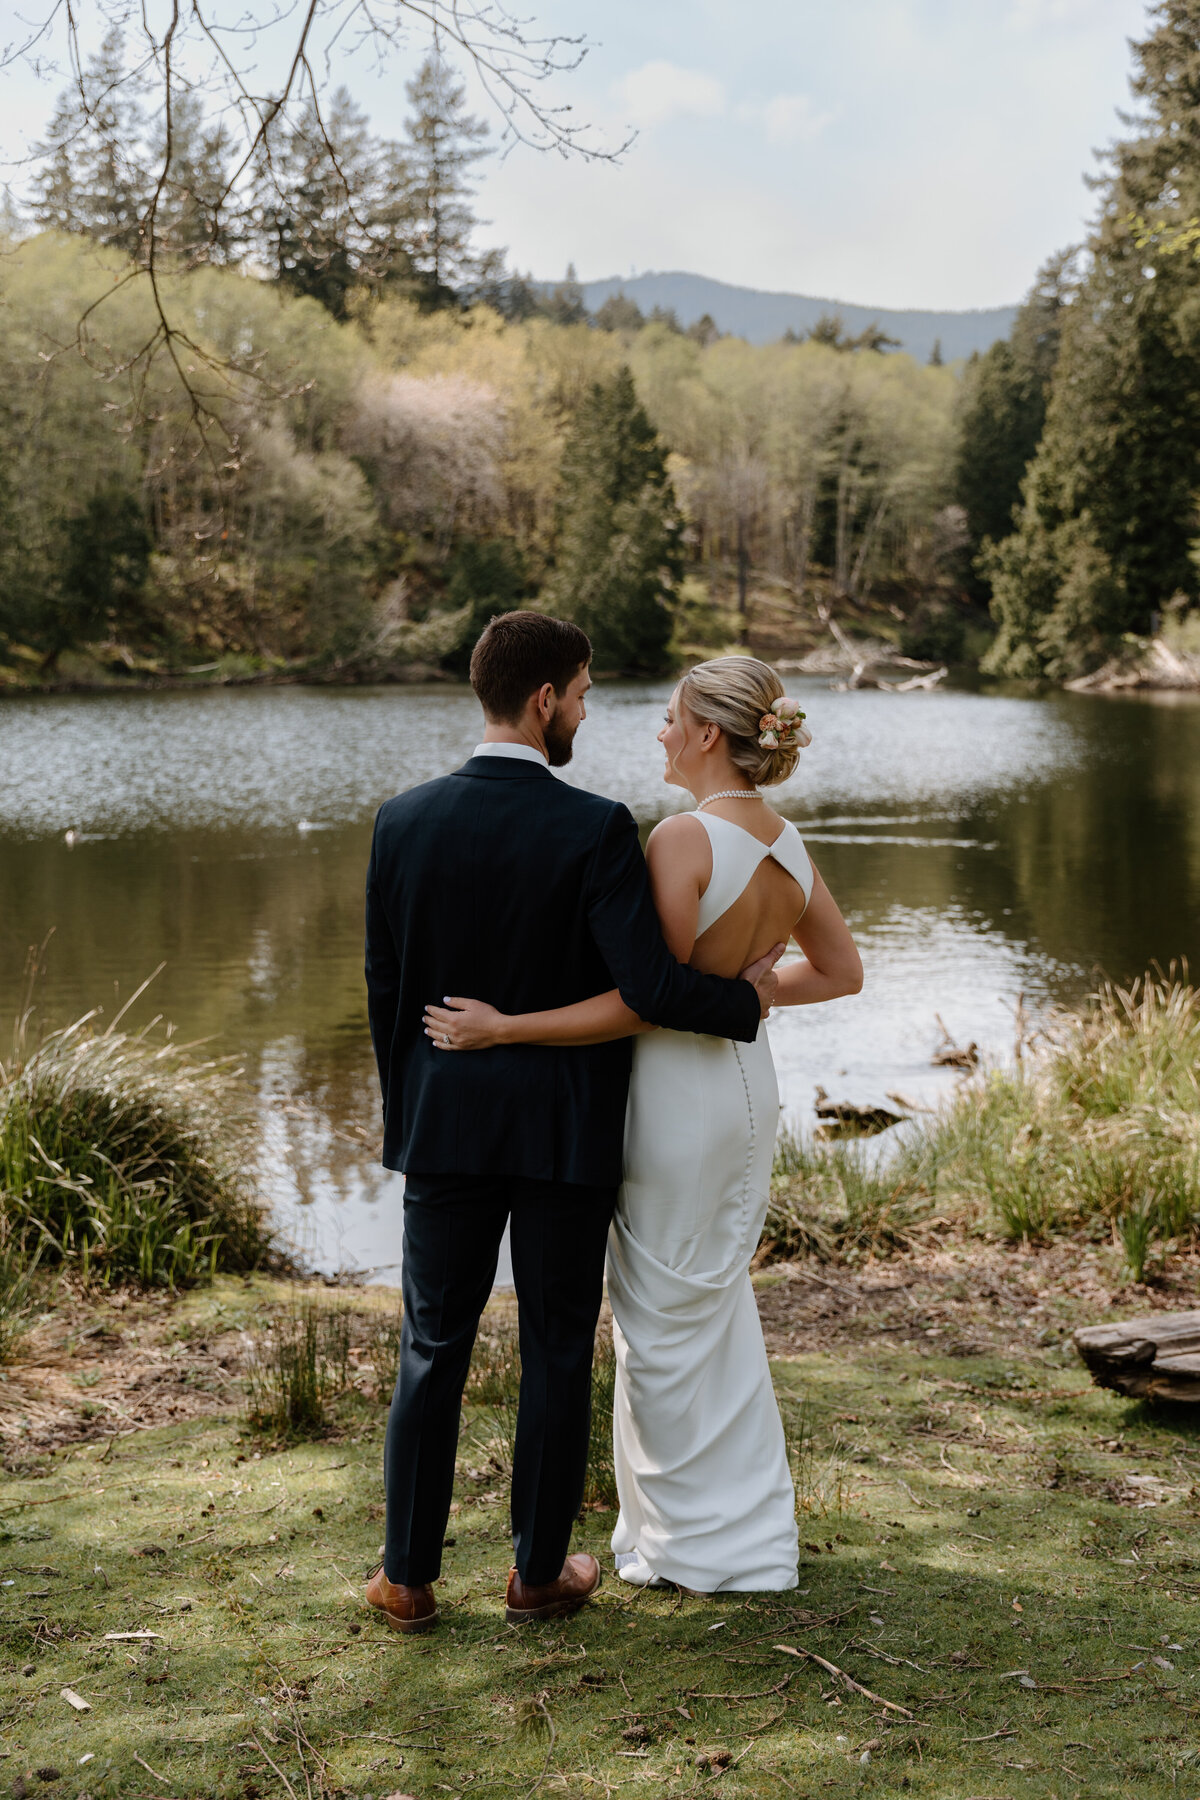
{"x": 1157, "y": 667}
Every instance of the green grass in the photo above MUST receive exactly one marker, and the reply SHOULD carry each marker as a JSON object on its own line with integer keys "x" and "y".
{"x": 1096, "y": 1135}
{"x": 964, "y": 1520}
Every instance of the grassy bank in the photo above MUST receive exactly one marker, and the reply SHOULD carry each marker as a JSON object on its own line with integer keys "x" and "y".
{"x": 1008, "y": 1557}
{"x": 1093, "y": 1134}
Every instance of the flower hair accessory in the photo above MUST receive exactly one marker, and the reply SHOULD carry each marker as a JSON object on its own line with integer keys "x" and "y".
{"x": 783, "y": 728}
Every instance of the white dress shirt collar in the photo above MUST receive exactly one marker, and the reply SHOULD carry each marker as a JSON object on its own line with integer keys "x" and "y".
{"x": 525, "y": 752}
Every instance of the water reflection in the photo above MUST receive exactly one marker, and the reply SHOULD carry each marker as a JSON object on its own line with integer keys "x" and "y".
{"x": 982, "y": 847}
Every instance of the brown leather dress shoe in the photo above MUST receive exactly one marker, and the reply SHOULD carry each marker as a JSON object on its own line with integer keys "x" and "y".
{"x": 404, "y": 1608}
{"x": 578, "y": 1582}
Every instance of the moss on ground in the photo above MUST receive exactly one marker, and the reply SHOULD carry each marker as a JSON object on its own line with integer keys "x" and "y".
{"x": 1015, "y": 1562}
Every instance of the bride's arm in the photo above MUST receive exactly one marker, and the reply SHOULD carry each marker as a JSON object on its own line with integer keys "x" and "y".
{"x": 473, "y": 1025}
{"x": 680, "y": 863}
{"x": 832, "y": 966}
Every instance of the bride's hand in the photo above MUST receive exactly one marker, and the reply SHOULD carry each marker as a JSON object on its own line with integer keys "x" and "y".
{"x": 460, "y": 1024}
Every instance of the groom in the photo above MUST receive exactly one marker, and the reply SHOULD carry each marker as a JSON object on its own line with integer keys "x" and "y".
{"x": 501, "y": 881}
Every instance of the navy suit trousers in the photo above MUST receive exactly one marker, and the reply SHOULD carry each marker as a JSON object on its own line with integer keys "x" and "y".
{"x": 453, "y": 1226}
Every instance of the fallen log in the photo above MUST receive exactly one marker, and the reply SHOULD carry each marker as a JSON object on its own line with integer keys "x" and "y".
{"x": 851, "y": 1119}
{"x": 1149, "y": 1359}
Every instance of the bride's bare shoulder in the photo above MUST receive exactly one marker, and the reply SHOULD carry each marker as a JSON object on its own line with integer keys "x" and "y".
{"x": 678, "y": 830}
{"x": 680, "y": 840}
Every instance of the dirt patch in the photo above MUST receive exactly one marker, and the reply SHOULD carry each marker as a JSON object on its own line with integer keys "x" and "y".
{"x": 99, "y": 1365}
{"x": 961, "y": 1300}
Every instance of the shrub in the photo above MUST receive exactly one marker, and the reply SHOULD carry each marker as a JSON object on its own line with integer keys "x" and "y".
{"x": 16, "y": 1274}
{"x": 122, "y": 1158}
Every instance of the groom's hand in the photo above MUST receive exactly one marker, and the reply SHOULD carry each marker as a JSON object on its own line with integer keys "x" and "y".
{"x": 763, "y": 979}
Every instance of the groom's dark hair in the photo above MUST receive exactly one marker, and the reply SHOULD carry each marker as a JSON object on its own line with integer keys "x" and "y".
{"x": 518, "y": 653}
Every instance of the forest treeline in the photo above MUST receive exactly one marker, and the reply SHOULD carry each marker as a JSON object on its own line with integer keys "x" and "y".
{"x": 374, "y": 487}
{"x": 361, "y": 434}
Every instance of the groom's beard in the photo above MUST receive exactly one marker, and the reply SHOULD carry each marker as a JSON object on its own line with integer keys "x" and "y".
{"x": 560, "y": 742}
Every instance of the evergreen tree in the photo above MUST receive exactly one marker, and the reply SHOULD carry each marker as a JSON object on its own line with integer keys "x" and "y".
{"x": 512, "y": 296}
{"x": 192, "y": 219}
{"x": 936, "y": 359}
{"x": 443, "y": 146}
{"x": 620, "y": 313}
{"x": 1002, "y": 412}
{"x": 313, "y": 193}
{"x": 702, "y": 331}
{"x": 1109, "y": 500}
{"x": 57, "y": 202}
{"x": 619, "y": 554}
{"x": 93, "y": 177}
{"x": 830, "y": 331}
{"x": 489, "y": 577}
{"x": 871, "y": 337}
{"x": 565, "y": 303}
{"x": 106, "y": 562}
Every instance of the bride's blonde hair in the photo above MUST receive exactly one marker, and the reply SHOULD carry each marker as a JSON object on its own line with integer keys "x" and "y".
{"x": 735, "y": 692}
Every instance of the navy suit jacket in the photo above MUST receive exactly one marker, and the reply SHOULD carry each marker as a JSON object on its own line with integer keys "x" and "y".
{"x": 505, "y": 884}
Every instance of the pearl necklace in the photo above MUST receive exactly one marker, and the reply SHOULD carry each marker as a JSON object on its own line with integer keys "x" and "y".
{"x": 729, "y": 794}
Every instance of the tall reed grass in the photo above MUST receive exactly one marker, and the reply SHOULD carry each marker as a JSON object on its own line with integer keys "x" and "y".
{"x": 300, "y": 1367}
{"x": 1097, "y": 1134}
{"x": 123, "y": 1158}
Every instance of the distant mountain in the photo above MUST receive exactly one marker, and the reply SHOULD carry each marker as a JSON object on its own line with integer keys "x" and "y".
{"x": 761, "y": 318}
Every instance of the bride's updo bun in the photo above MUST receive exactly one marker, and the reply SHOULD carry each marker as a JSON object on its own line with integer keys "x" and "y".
{"x": 764, "y": 731}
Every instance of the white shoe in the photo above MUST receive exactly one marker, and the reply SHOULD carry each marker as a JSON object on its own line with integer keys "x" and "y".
{"x": 637, "y": 1573}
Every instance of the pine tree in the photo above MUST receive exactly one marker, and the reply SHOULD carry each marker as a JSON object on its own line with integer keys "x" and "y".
{"x": 1109, "y": 500}
{"x": 564, "y": 305}
{"x": 619, "y": 554}
{"x": 315, "y": 194}
{"x": 619, "y": 313}
{"x": 93, "y": 177}
{"x": 193, "y": 220}
{"x": 444, "y": 142}
{"x": 1002, "y": 413}
{"x": 105, "y": 565}
{"x": 57, "y": 201}
{"x": 936, "y": 359}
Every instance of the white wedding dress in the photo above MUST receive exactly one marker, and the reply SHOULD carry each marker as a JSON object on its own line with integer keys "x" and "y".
{"x": 702, "y": 1472}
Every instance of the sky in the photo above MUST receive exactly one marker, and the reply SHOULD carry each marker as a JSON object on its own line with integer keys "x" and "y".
{"x": 895, "y": 153}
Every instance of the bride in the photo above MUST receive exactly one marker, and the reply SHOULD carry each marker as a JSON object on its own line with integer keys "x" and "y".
{"x": 702, "y": 1473}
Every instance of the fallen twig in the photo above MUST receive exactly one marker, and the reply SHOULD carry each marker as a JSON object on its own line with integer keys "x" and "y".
{"x": 858, "y": 1644}
{"x": 149, "y": 1770}
{"x": 761, "y": 1694}
{"x": 855, "y": 1686}
{"x": 287, "y": 1784}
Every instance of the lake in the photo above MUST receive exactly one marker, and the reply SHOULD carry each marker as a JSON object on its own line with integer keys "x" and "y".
{"x": 984, "y": 847}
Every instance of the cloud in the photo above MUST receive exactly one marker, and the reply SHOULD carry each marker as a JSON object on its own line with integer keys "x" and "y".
{"x": 1037, "y": 15}
{"x": 659, "y": 91}
{"x": 793, "y": 119}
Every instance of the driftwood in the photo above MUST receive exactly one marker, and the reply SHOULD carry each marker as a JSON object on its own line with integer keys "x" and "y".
{"x": 848, "y": 1118}
{"x": 950, "y": 1055}
{"x": 1148, "y": 1359}
{"x": 915, "y": 683}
